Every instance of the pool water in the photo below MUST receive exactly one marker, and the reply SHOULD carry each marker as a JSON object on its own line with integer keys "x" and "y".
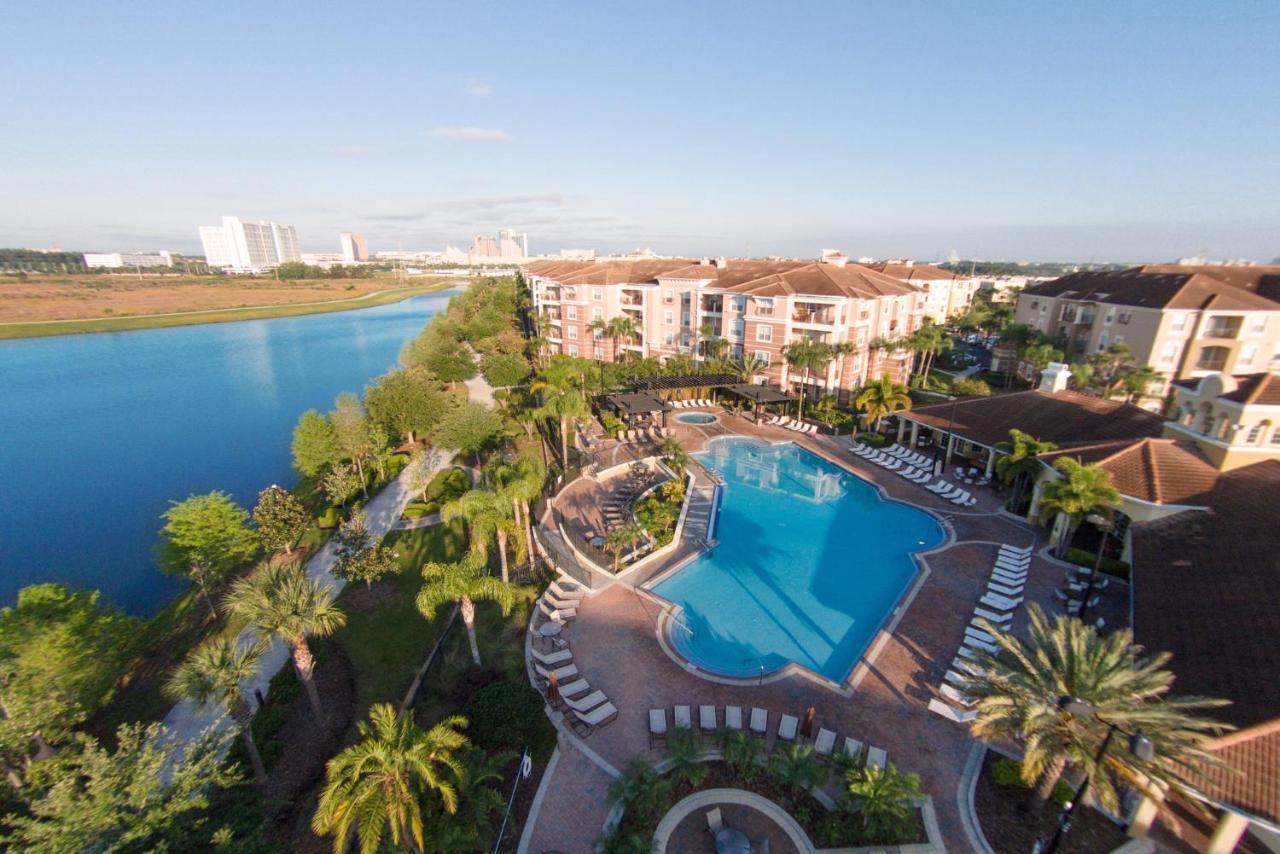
{"x": 696, "y": 418}
{"x": 810, "y": 562}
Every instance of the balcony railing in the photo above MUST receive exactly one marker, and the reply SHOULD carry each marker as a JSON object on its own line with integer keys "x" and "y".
{"x": 1219, "y": 331}
{"x": 632, "y": 301}
{"x": 823, "y": 318}
{"x": 1211, "y": 365}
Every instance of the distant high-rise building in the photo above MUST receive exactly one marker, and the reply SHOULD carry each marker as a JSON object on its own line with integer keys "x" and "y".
{"x": 519, "y": 243}
{"x": 484, "y": 246}
{"x": 249, "y": 245}
{"x": 115, "y": 260}
{"x": 353, "y": 247}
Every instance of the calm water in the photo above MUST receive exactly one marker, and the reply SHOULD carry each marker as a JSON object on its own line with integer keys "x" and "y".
{"x": 99, "y": 432}
{"x": 810, "y": 562}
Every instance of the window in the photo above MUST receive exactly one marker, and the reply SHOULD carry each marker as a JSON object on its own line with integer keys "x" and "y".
{"x": 1035, "y": 304}
{"x": 669, "y": 296}
{"x": 568, "y": 293}
{"x": 573, "y": 349}
{"x": 1275, "y": 436}
{"x": 1258, "y": 325}
{"x": 597, "y": 353}
{"x": 571, "y": 312}
{"x": 597, "y": 313}
{"x": 1111, "y": 315}
{"x": 684, "y": 318}
{"x": 764, "y": 306}
{"x": 573, "y": 332}
{"x": 738, "y": 303}
{"x": 1169, "y": 353}
{"x": 861, "y": 340}
{"x": 668, "y": 317}
{"x": 764, "y": 333}
{"x": 735, "y": 329}
{"x": 1247, "y": 354}
{"x": 1256, "y": 432}
{"x": 764, "y": 356}
{"x": 669, "y": 339}
{"x": 597, "y": 294}
{"x": 1102, "y": 342}
{"x": 1179, "y": 323}
{"x": 1212, "y": 359}
{"x": 1124, "y": 318}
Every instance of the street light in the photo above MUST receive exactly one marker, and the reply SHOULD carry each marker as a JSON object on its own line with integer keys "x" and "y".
{"x": 1139, "y": 745}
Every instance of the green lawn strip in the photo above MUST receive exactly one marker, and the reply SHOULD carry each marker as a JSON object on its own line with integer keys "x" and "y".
{"x": 122, "y": 324}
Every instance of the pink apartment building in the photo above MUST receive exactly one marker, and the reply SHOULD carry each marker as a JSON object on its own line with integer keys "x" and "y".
{"x": 757, "y": 307}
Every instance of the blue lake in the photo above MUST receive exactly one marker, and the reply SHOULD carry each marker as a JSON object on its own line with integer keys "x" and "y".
{"x": 99, "y": 432}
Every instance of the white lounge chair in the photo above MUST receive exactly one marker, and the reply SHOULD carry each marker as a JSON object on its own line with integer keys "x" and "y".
{"x": 566, "y": 605}
{"x": 657, "y": 727}
{"x": 683, "y": 717}
{"x": 951, "y": 713}
{"x": 1007, "y": 577}
{"x": 1002, "y": 590}
{"x": 852, "y": 748}
{"x": 560, "y": 592}
{"x": 993, "y": 616}
{"x": 1024, "y": 550}
{"x": 1001, "y": 603}
{"x": 965, "y": 665}
{"x": 955, "y": 677}
{"x": 569, "y": 689}
{"x": 597, "y": 717}
{"x": 552, "y": 658}
{"x": 876, "y": 758}
{"x": 979, "y": 635}
{"x": 825, "y": 743}
{"x": 974, "y": 643}
{"x": 556, "y": 615}
{"x": 976, "y": 623}
{"x": 787, "y": 727}
{"x": 561, "y": 673}
{"x": 759, "y": 722}
{"x": 733, "y": 717}
{"x": 715, "y": 821}
{"x": 587, "y": 703}
{"x": 951, "y": 693}
{"x": 707, "y": 719}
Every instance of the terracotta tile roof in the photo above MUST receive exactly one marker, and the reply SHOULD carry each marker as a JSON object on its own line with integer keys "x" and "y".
{"x": 1065, "y": 418}
{"x": 1163, "y": 471}
{"x": 1206, "y": 588}
{"x": 913, "y": 272}
{"x": 1252, "y": 779}
{"x": 1256, "y": 389}
{"x": 1261, "y": 279}
{"x": 1185, "y": 289}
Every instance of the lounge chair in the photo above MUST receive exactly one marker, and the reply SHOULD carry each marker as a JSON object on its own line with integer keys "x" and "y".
{"x": 965, "y": 652}
{"x": 759, "y": 722}
{"x": 566, "y": 593}
{"x": 893, "y": 465}
{"x": 825, "y": 743}
{"x": 566, "y": 605}
{"x": 556, "y": 615}
{"x": 962, "y": 498}
{"x": 561, "y": 673}
{"x": 964, "y": 665}
{"x": 993, "y": 616}
{"x": 951, "y": 713}
{"x": 1012, "y": 574}
{"x": 707, "y": 719}
{"x": 733, "y": 717}
{"x": 1002, "y": 590}
{"x": 587, "y": 703}
{"x": 787, "y": 727}
{"x": 683, "y": 717}
{"x": 657, "y": 727}
{"x": 979, "y": 634}
{"x": 923, "y": 478}
{"x": 1001, "y": 603}
{"x": 978, "y": 624}
{"x": 597, "y": 717}
{"x": 577, "y": 686}
{"x": 552, "y": 658}
{"x": 1024, "y": 550}
{"x": 951, "y": 693}
{"x": 953, "y": 492}
{"x": 940, "y": 487}
{"x": 876, "y": 758}
{"x": 955, "y": 677}
{"x": 974, "y": 643}
{"x": 852, "y": 748}
{"x": 1012, "y": 563}
{"x": 715, "y": 821}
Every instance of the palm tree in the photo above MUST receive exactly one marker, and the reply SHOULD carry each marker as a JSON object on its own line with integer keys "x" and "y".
{"x": 674, "y": 453}
{"x": 1138, "y": 379}
{"x": 478, "y": 800}
{"x": 928, "y": 341}
{"x": 1017, "y": 464}
{"x": 641, "y": 789}
{"x": 796, "y": 765}
{"x": 598, "y": 326}
{"x": 488, "y": 514}
{"x": 881, "y": 801}
{"x": 281, "y": 601}
{"x": 807, "y": 356}
{"x": 521, "y": 480}
{"x": 1081, "y": 375}
{"x": 622, "y": 536}
{"x": 684, "y": 757}
{"x": 1020, "y": 689}
{"x": 622, "y": 328}
{"x": 1040, "y": 355}
{"x": 219, "y": 670}
{"x": 375, "y": 787}
{"x": 562, "y": 402}
{"x": 462, "y": 582}
{"x": 741, "y": 751}
{"x": 748, "y": 365}
{"x": 882, "y": 397}
{"x": 1081, "y": 491}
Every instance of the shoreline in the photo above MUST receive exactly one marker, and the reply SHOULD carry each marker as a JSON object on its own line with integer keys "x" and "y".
{"x": 127, "y": 323}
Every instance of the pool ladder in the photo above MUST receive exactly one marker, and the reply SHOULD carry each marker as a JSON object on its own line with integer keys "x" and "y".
{"x": 757, "y": 661}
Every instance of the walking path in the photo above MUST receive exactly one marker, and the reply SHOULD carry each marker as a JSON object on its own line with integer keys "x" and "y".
{"x": 187, "y": 722}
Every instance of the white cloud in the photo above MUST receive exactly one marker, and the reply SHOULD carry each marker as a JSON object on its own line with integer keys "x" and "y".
{"x": 476, "y": 88}
{"x": 470, "y": 134}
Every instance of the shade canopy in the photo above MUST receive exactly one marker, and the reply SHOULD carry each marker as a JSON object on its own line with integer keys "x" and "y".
{"x": 759, "y": 393}
{"x": 635, "y": 403}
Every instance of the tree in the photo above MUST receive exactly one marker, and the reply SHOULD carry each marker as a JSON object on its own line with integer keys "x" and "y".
{"x": 741, "y": 751}
{"x": 622, "y": 328}
{"x": 469, "y": 428}
{"x": 281, "y": 601}
{"x": 521, "y": 480}
{"x": 422, "y": 470}
{"x": 1138, "y": 379}
{"x": 641, "y": 790}
{"x": 439, "y": 350}
{"x": 219, "y": 670}
{"x": 61, "y": 654}
{"x": 1081, "y": 491}
{"x": 358, "y": 556}
{"x": 684, "y": 757}
{"x": 462, "y": 582}
{"x": 1019, "y": 691}
{"x": 562, "y": 402}
{"x": 927, "y": 342}
{"x": 882, "y": 397}
{"x": 204, "y": 538}
{"x": 504, "y": 369}
{"x": 469, "y": 829}
{"x": 407, "y": 403}
{"x": 280, "y": 518}
{"x": 1040, "y": 355}
{"x": 674, "y": 453}
{"x": 796, "y": 765}
{"x": 341, "y": 484}
{"x": 748, "y": 366}
{"x": 622, "y": 536}
{"x": 881, "y": 800}
{"x": 315, "y": 447}
{"x": 353, "y": 434}
{"x": 807, "y": 356}
{"x": 1081, "y": 375}
{"x": 375, "y": 787}
{"x": 141, "y": 797}
{"x": 1017, "y": 464}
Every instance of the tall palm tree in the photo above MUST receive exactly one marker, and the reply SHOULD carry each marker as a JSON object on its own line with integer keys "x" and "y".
{"x": 807, "y": 356}
{"x": 219, "y": 670}
{"x": 375, "y": 788}
{"x": 598, "y": 326}
{"x": 488, "y": 514}
{"x": 1082, "y": 490}
{"x": 1017, "y": 464}
{"x": 462, "y": 582}
{"x": 619, "y": 538}
{"x": 882, "y": 397}
{"x": 521, "y": 480}
{"x": 748, "y": 365}
{"x": 881, "y": 801}
{"x": 674, "y": 453}
{"x": 927, "y": 342}
{"x": 1020, "y": 688}
{"x": 281, "y": 601}
{"x": 622, "y": 328}
{"x": 562, "y": 402}
{"x": 1138, "y": 379}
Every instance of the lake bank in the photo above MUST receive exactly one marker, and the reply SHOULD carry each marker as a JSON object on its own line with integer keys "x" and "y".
{"x": 161, "y": 320}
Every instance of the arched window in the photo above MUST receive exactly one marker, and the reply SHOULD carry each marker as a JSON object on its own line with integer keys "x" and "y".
{"x": 1206, "y": 419}
{"x": 1258, "y": 432}
{"x": 1188, "y": 416}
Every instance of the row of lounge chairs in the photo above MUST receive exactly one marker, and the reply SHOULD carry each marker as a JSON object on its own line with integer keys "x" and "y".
{"x": 584, "y": 709}
{"x": 710, "y": 723}
{"x": 617, "y": 506}
{"x": 559, "y": 602}
{"x": 1074, "y": 588}
{"x": 643, "y": 434}
{"x": 692, "y": 403}
{"x": 995, "y": 611}
{"x": 917, "y": 468}
{"x": 792, "y": 424}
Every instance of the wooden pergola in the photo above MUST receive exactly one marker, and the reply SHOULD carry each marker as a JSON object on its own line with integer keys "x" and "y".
{"x": 758, "y": 395}
{"x": 628, "y": 405}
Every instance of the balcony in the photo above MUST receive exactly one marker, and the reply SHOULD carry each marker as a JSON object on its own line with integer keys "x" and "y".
{"x": 1223, "y": 327}
{"x": 816, "y": 317}
{"x": 1213, "y": 359}
{"x": 631, "y": 299}
{"x": 712, "y": 305}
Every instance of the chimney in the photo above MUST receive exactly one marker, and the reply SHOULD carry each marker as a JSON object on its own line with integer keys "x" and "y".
{"x": 1054, "y": 379}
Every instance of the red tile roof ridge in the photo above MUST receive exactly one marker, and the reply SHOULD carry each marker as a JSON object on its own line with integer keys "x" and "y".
{"x": 1244, "y": 734}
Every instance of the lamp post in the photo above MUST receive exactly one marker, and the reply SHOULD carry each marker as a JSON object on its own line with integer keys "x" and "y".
{"x": 951, "y": 422}
{"x": 1105, "y": 525}
{"x": 1139, "y": 745}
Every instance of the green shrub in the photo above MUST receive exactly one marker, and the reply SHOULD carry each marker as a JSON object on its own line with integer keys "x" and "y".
{"x": 330, "y": 517}
{"x": 875, "y": 440}
{"x": 416, "y": 510}
{"x": 612, "y": 424}
{"x": 1109, "y": 566}
{"x": 1007, "y": 772}
{"x": 509, "y": 716}
{"x": 970, "y": 387}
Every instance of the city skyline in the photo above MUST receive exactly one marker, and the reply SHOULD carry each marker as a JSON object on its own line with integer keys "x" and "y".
{"x": 1089, "y": 133}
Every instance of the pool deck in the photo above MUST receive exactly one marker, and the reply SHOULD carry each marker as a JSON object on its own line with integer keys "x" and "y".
{"x": 616, "y": 648}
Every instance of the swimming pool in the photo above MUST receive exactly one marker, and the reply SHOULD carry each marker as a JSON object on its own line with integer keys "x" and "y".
{"x": 810, "y": 562}
{"x": 696, "y": 418}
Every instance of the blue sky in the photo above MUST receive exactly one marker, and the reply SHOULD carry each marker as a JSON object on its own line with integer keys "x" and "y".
{"x": 1106, "y": 131}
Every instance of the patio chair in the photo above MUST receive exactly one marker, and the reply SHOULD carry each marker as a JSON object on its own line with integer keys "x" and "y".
{"x": 999, "y": 627}
{"x": 552, "y": 658}
{"x": 759, "y": 722}
{"x": 962, "y": 498}
{"x": 1011, "y": 558}
{"x": 587, "y": 703}
{"x": 787, "y": 727}
{"x": 657, "y": 727}
{"x": 561, "y": 592}
{"x": 733, "y": 717}
{"x": 1000, "y": 603}
{"x": 1003, "y": 590}
{"x": 923, "y": 478}
{"x": 964, "y": 665}
{"x": 707, "y": 719}
{"x": 982, "y": 481}
{"x": 954, "y": 677}
{"x": 1015, "y": 550}
{"x": 1005, "y": 577}
{"x": 979, "y": 635}
{"x": 876, "y": 758}
{"x": 556, "y": 615}
{"x": 893, "y": 465}
{"x": 570, "y": 689}
{"x": 950, "y": 692}
{"x": 825, "y": 743}
{"x": 940, "y": 487}
{"x": 683, "y": 717}
{"x": 561, "y": 673}
{"x": 974, "y": 643}
{"x": 993, "y": 616}
{"x": 566, "y": 605}
{"x": 715, "y": 822}
{"x": 951, "y": 713}
{"x": 600, "y": 716}
{"x": 852, "y": 748}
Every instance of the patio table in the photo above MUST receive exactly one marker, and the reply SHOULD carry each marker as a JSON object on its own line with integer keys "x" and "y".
{"x": 550, "y": 629}
{"x": 732, "y": 841}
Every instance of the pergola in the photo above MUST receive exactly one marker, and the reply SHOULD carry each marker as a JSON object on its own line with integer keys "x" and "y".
{"x": 758, "y": 395}
{"x": 629, "y": 405}
{"x": 683, "y": 381}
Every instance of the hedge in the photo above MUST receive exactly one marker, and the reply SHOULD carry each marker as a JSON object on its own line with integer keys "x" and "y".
{"x": 1006, "y": 772}
{"x": 509, "y": 716}
{"x": 1109, "y": 566}
{"x": 875, "y": 440}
